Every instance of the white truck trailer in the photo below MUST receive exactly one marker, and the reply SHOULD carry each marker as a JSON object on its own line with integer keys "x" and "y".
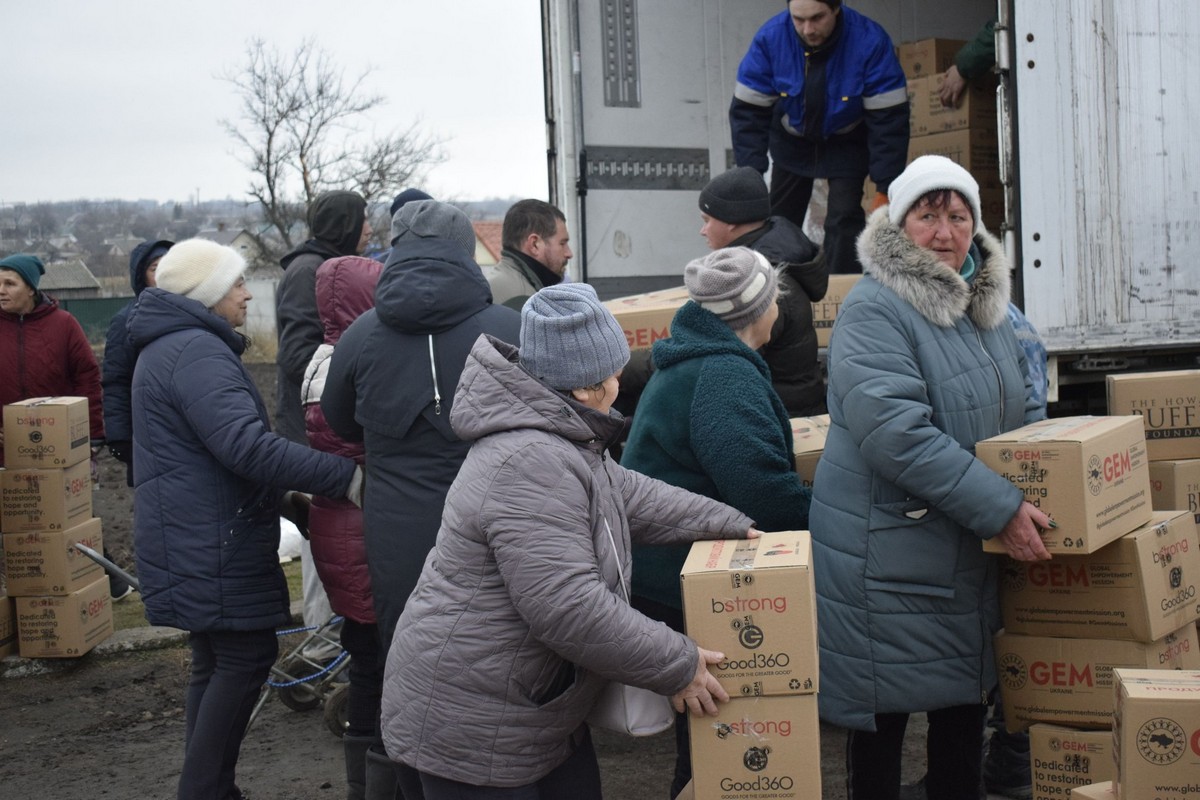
{"x": 1099, "y": 109}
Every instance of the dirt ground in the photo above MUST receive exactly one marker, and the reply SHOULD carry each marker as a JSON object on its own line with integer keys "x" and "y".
{"x": 107, "y": 726}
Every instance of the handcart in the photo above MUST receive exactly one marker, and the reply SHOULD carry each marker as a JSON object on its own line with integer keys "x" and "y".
{"x": 301, "y": 683}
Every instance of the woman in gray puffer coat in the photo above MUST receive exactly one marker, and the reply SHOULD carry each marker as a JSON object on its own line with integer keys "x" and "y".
{"x": 518, "y": 620}
{"x": 923, "y": 363}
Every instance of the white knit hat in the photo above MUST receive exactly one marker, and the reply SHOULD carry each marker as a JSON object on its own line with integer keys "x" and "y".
{"x": 202, "y": 270}
{"x": 928, "y": 174}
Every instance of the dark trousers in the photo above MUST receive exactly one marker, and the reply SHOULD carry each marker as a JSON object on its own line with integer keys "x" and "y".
{"x": 673, "y": 618}
{"x": 361, "y": 641}
{"x": 844, "y": 218}
{"x": 228, "y": 672}
{"x": 954, "y": 743}
{"x": 577, "y": 778}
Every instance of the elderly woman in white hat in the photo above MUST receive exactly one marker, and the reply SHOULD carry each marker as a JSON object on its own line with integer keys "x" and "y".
{"x": 923, "y": 363}
{"x": 208, "y": 477}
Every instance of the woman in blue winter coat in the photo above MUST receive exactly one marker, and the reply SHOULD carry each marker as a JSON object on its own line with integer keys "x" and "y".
{"x": 922, "y": 364}
{"x": 208, "y": 477}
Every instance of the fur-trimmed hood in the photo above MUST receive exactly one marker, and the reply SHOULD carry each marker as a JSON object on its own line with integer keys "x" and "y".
{"x": 921, "y": 280}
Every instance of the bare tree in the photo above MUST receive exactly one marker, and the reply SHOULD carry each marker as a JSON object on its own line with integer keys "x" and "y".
{"x": 299, "y": 134}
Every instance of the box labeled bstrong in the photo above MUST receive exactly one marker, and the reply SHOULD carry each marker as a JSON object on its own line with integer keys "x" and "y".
{"x": 46, "y": 432}
{"x": 754, "y": 600}
{"x": 1089, "y": 473}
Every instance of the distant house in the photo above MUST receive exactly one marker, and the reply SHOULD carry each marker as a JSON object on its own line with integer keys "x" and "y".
{"x": 70, "y": 280}
{"x": 488, "y": 242}
{"x": 237, "y": 238}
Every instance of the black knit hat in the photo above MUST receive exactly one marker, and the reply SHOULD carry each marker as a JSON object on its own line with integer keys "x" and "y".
{"x": 737, "y": 196}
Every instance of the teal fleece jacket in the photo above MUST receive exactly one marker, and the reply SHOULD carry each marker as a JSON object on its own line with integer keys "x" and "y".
{"x": 710, "y": 422}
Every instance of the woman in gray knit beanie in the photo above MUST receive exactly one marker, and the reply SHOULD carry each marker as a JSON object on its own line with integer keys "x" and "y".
{"x": 521, "y": 613}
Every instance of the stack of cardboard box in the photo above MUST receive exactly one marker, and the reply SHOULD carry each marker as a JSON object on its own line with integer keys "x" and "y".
{"x": 1110, "y": 597}
{"x": 966, "y": 134}
{"x": 62, "y": 602}
{"x": 1156, "y": 735}
{"x": 754, "y": 600}
{"x": 808, "y": 443}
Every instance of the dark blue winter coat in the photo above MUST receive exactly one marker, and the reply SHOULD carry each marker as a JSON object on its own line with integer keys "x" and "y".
{"x": 208, "y": 473}
{"x": 391, "y": 385}
{"x": 120, "y": 356}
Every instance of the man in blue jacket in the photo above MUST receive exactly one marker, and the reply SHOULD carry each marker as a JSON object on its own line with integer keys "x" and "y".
{"x": 821, "y": 92}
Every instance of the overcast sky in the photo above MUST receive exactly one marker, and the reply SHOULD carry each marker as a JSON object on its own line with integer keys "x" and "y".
{"x": 121, "y": 99}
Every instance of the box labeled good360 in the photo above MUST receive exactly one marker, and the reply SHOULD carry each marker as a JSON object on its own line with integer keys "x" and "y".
{"x": 45, "y": 499}
{"x": 1169, "y": 406}
{"x": 1089, "y": 473}
{"x": 47, "y": 432}
{"x": 808, "y": 442}
{"x": 646, "y": 318}
{"x": 1156, "y": 733}
{"x": 754, "y": 600}
{"x": 1141, "y": 587}
{"x": 64, "y": 626}
{"x": 1063, "y": 758}
{"x": 758, "y": 748}
{"x": 1070, "y": 681}
{"x": 46, "y": 562}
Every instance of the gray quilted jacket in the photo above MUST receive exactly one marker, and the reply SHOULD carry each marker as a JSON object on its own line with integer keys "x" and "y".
{"x": 517, "y": 621}
{"x": 923, "y": 365}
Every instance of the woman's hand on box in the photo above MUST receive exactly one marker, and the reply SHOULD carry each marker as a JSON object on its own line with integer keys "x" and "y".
{"x": 704, "y": 692}
{"x": 1022, "y": 538}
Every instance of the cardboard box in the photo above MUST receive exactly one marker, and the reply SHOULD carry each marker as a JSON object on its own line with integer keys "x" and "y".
{"x": 1156, "y": 734}
{"x": 825, "y": 312}
{"x": 1070, "y": 681}
{"x": 754, "y": 601}
{"x": 64, "y": 626}
{"x": 928, "y": 56}
{"x": 1175, "y": 484}
{"x": 646, "y": 318}
{"x": 808, "y": 442}
{"x": 1063, "y": 758}
{"x": 976, "y": 109}
{"x": 977, "y": 150}
{"x": 1089, "y": 473}
{"x": 45, "y": 499}
{"x": 758, "y": 748}
{"x": 46, "y": 562}
{"x": 47, "y": 432}
{"x": 1140, "y": 587}
{"x": 1169, "y": 405}
{"x": 8, "y": 626}
{"x": 1095, "y": 791}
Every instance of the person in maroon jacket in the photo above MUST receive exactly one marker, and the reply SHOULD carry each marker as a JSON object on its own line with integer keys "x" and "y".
{"x": 345, "y": 288}
{"x": 43, "y": 351}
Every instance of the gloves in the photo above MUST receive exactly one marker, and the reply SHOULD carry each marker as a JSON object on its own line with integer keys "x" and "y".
{"x": 121, "y": 451}
{"x": 294, "y": 506}
{"x": 354, "y": 493}
{"x": 881, "y": 200}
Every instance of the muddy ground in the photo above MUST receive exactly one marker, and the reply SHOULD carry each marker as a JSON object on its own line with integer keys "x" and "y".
{"x": 109, "y": 726}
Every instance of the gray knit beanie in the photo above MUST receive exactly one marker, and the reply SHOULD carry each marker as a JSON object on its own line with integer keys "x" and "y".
{"x": 735, "y": 283}
{"x": 200, "y": 269}
{"x": 430, "y": 219}
{"x": 737, "y": 196}
{"x": 569, "y": 340}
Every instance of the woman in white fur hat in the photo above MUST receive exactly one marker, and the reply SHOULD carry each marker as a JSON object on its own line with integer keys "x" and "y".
{"x": 923, "y": 363}
{"x": 208, "y": 477}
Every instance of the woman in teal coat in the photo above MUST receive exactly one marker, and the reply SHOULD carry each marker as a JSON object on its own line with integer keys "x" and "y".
{"x": 922, "y": 364}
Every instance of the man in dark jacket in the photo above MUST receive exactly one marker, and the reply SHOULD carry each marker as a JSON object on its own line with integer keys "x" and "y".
{"x": 337, "y": 223}
{"x": 821, "y": 90}
{"x": 535, "y": 255}
{"x": 120, "y": 357}
{"x": 735, "y": 208}
{"x": 391, "y": 385}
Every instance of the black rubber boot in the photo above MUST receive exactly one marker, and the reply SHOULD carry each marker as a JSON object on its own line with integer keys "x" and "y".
{"x": 381, "y": 777}
{"x": 355, "y": 748}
